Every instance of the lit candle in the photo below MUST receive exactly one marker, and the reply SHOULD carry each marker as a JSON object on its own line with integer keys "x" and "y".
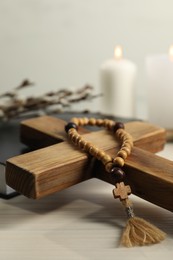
{"x": 160, "y": 88}
{"x": 117, "y": 82}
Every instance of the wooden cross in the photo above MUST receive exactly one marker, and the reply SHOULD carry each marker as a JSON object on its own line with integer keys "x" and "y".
{"x": 60, "y": 165}
{"x": 121, "y": 191}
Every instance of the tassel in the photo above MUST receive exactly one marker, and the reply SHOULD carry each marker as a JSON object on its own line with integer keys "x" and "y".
{"x": 138, "y": 232}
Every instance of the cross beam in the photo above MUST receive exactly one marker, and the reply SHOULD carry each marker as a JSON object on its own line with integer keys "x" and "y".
{"x": 61, "y": 165}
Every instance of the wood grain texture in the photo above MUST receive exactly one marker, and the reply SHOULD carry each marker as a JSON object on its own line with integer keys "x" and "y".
{"x": 43, "y": 131}
{"x": 59, "y": 166}
{"x": 157, "y": 174}
{"x": 150, "y": 177}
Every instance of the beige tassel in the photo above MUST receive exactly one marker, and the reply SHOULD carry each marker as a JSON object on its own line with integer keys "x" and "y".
{"x": 139, "y": 232}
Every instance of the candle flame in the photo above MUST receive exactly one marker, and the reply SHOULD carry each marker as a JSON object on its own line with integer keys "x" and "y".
{"x": 171, "y": 52}
{"x": 118, "y": 52}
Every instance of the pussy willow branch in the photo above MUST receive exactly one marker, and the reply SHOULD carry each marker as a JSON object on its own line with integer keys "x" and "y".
{"x": 13, "y": 106}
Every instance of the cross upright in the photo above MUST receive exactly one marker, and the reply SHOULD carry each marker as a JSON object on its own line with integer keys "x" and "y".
{"x": 57, "y": 164}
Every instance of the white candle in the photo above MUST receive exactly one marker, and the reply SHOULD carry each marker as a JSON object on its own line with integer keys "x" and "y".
{"x": 160, "y": 89}
{"x": 117, "y": 82}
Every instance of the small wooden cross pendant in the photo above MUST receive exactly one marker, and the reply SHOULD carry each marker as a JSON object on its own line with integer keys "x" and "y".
{"x": 121, "y": 191}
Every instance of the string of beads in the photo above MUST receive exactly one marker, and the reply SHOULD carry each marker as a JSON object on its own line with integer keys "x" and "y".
{"x": 112, "y": 165}
{"x": 137, "y": 231}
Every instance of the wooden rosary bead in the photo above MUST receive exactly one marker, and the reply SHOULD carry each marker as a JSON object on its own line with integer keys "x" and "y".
{"x": 85, "y": 120}
{"x": 70, "y": 125}
{"x": 81, "y": 144}
{"x": 109, "y": 124}
{"x": 87, "y": 146}
{"x": 107, "y": 158}
{"x": 95, "y": 151}
{"x": 117, "y": 174}
{"x": 99, "y": 122}
{"x": 120, "y": 133}
{"x": 127, "y": 140}
{"x": 106, "y": 122}
{"x": 74, "y": 120}
{"x": 119, "y": 161}
{"x": 118, "y": 125}
{"x": 80, "y": 122}
{"x": 122, "y": 154}
{"x": 91, "y": 150}
{"x": 92, "y": 121}
{"x": 127, "y": 149}
{"x": 71, "y": 132}
{"x": 74, "y": 138}
{"x": 100, "y": 155}
{"x": 77, "y": 139}
{"x": 127, "y": 145}
{"x": 108, "y": 166}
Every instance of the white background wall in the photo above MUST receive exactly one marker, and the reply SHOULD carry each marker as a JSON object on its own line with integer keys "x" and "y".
{"x": 61, "y": 43}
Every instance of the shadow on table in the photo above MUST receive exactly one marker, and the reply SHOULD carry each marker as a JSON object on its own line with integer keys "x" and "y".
{"x": 93, "y": 197}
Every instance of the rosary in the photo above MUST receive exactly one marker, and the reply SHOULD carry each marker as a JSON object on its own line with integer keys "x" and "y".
{"x": 138, "y": 231}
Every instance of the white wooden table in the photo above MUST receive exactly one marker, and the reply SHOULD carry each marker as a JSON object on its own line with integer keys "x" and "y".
{"x": 82, "y": 222}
